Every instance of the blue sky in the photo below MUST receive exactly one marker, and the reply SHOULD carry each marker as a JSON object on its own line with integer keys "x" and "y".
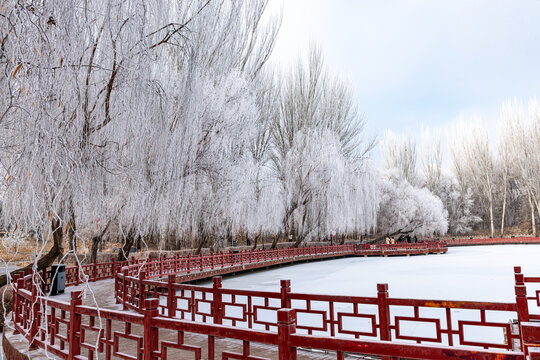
{"x": 420, "y": 63}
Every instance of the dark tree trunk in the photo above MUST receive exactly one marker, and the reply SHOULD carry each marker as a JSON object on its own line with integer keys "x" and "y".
{"x": 203, "y": 240}
{"x": 46, "y": 260}
{"x": 123, "y": 252}
{"x": 256, "y": 240}
{"x": 276, "y": 240}
{"x": 95, "y": 245}
{"x": 71, "y": 230}
{"x": 229, "y": 236}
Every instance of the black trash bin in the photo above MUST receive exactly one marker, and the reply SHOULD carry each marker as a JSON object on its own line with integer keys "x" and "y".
{"x": 58, "y": 278}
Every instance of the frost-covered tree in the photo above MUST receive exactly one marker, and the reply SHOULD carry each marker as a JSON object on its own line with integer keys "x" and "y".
{"x": 458, "y": 204}
{"x": 432, "y": 159}
{"x": 399, "y": 152}
{"x": 520, "y": 133}
{"x": 328, "y": 192}
{"x": 456, "y": 201}
{"x": 405, "y": 208}
{"x": 132, "y": 112}
{"x": 505, "y": 141}
{"x": 318, "y": 107}
{"x": 472, "y": 148}
{"x": 77, "y": 79}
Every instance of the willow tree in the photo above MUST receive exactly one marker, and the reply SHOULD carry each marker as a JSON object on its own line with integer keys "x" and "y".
{"x": 77, "y": 78}
{"x": 399, "y": 152}
{"x": 317, "y": 109}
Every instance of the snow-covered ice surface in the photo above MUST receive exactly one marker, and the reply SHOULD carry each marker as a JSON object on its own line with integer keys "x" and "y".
{"x": 479, "y": 273}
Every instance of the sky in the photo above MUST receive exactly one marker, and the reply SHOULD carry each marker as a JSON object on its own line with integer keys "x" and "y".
{"x": 420, "y": 63}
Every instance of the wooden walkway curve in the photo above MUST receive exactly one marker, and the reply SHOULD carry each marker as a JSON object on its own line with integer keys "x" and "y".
{"x": 163, "y": 304}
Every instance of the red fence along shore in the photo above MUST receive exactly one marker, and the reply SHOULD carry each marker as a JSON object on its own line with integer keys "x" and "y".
{"x": 492, "y": 241}
{"x": 378, "y": 325}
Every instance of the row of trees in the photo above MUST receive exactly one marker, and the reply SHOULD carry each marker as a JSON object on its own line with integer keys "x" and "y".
{"x": 163, "y": 122}
{"x": 492, "y": 182}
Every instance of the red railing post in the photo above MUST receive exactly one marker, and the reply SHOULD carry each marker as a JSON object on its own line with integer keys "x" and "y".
{"x": 521, "y": 295}
{"x": 74, "y": 335}
{"x": 124, "y": 289}
{"x": 34, "y": 326}
{"x": 142, "y": 293}
{"x": 116, "y": 288}
{"x": 384, "y": 314}
{"x": 522, "y": 307}
{"x": 77, "y": 275}
{"x": 15, "y": 314}
{"x": 189, "y": 263}
{"x": 286, "y": 326}
{"x": 151, "y": 333}
{"x": 161, "y": 259}
{"x": 285, "y": 294}
{"x": 202, "y": 262}
{"x": 217, "y": 302}
{"x": 171, "y": 308}
{"x": 113, "y": 268}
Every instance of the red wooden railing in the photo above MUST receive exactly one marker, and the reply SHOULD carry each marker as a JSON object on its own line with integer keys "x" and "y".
{"x": 283, "y": 319}
{"x": 492, "y": 241}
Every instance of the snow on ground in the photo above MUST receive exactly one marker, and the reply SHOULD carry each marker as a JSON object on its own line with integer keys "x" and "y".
{"x": 479, "y": 273}
{"x": 4, "y": 269}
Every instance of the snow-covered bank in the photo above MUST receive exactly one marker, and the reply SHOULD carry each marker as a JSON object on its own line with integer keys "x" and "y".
{"x": 483, "y": 273}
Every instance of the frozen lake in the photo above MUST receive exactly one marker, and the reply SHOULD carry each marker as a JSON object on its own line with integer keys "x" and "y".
{"x": 480, "y": 273}
{"x": 483, "y": 273}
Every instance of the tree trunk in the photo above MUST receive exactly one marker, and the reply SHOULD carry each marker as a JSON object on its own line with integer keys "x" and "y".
{"x": 275, "y": 240}
{"x": 533, "y": 222}
{"x": 72, "y": 227}
{"x": 46, "y": 260}
{"x": 95, "y": 245}
{"x": 504, "y": 205}
{"x": 256, "y": 240}
{"x": 492, "y": 226}
{"x": 229, "y": 236}
{"x": 123, "y": 252}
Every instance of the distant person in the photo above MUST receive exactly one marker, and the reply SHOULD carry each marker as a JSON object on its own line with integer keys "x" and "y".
{"x": 414, "y": 239}
{"x": 392, "y": 241}
{"x": 387, "y": 239}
